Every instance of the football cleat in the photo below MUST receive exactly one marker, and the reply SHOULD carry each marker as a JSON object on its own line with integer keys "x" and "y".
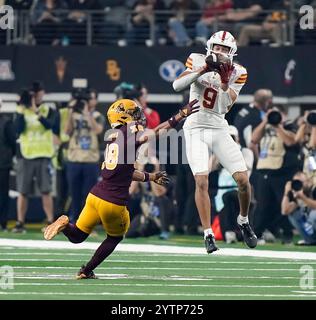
{"x": 53, "y": 229}
{"x": 81, "y": 275}
{"x": 210, "y": 244}
{"x": 249, "y": 236}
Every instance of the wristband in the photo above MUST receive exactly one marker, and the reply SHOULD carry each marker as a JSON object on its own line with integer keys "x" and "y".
{"x": 146, "y": 176}
{"x": 173, "y": 122}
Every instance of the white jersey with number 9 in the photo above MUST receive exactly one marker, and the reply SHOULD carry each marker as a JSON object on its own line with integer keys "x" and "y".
{"x": 206, "y": 88}
{"x": 207, "y": 129}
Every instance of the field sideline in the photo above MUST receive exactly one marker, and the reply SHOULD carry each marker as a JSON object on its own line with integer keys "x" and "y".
{"x": 46, "y": 270}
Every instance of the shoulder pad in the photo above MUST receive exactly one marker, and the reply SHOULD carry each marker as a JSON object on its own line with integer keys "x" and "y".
{"x": 241, "y": 74}
{"x": 193, "y": 59}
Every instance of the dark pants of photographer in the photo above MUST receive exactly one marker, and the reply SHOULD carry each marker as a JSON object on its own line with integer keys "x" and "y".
{"x": 4, "y": 196}
{"x": 270, "y": 188}
{"x": 165, "y": 212}
{"x": 81, "y": 178}
{"x": 184, "y": 187}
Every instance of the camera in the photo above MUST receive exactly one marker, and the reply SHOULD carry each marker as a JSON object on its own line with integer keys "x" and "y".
{"x": 26, "y": 97}
{"x": 297, "y": 185}
{"x": 311, "y": 118}
{"x": 274, "y": 118}
{"x": 149, "y": 167}
{"x": 80, "y": 94}
{"x": 78, "y": 105}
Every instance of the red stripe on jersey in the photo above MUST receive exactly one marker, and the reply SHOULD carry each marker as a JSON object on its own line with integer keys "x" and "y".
{"x": 224, "y": 35}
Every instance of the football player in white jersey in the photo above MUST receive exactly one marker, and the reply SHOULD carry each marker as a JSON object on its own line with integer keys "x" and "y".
{"x": 207, "y": 130}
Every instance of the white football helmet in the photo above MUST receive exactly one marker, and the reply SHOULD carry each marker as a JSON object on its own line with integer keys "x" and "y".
{"x": 223, "y": 38}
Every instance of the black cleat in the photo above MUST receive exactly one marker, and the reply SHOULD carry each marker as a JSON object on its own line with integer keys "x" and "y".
{"x": 249, "y": 236}
{"x": 83, "y": 275}
{"x": 210, "y": 244}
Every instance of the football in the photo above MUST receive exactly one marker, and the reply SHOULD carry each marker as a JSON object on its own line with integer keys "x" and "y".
{"x": 214, "y": 61}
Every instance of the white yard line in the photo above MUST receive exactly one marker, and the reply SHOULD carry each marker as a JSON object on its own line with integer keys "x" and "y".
{"x": 166, "y": 268}
{"x": 151, "y": 285}
{"x": 146, "y": 294}
{"x": 160, "y": 249}
{"x": 112, "y": 259}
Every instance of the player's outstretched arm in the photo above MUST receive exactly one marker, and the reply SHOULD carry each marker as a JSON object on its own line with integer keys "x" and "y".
{"x": 159, "y": 177}
{"x": 186, "y": 78}
{"x": 184, "y": 112}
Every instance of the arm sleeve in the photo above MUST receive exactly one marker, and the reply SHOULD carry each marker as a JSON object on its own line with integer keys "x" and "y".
{"x": 239, "y": 80}
{"x": 20, "y": 123}
{"x": 185, "y": 81}
{"x": 10, "y": 135}
{"x": 49, "y": 121}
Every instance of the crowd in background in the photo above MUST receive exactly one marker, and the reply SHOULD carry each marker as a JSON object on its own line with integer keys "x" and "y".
{"x": 150, "y": 22}
{"x": 67, "y": 142}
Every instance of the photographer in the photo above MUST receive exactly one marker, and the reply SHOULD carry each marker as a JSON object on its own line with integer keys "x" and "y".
{"x": 299, "y": 205}
{"x": 34, "y": 123}
{"x": 155, "y": 205}
{"x": 83, "y": 125}
{"x": 278, "y": 161}
{"x": 306, "y": 137}
{"x": 7, "y": 150}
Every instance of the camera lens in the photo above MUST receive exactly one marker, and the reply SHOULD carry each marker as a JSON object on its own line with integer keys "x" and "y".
{"x": 297, "y": 185}
{"x": 149, "y": 167}
{"x": 274, "y": 118}
{"x": 311, "y": 118}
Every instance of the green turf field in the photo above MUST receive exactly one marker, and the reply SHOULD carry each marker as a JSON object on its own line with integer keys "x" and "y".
{"x": 50, "y": 274}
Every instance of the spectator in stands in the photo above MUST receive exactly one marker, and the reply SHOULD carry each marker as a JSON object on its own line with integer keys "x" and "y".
{"x": 142, "y": 21}
{"x": 226, "y": 200}
{"x": 7, "y": 150}
{"x": 46, "y": 20}
{"x": 299, "y": 204}
{"x": 243, "y": 12}
{"x": 271, "y": 29}
{"x": 181, "y": 24}
{"x": 83, "y": 125}
{"x": 19, "y": 4}
{"x": 115, "y": 21}
{"x": 152, "y": 116}
{"x": 306, "y": 137}
{"x": 212, "y": 11}
{"x": 75, "y": 24}
{"x": 34, "y": 124}
{"x": 249, "y": 117}
{"x": 277, "y": 163}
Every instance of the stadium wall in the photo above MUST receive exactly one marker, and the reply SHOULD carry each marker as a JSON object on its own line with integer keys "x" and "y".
{"x": 288, "y": 71}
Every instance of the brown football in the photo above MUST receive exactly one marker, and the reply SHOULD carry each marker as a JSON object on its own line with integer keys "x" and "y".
{"x": 214, "y": 60}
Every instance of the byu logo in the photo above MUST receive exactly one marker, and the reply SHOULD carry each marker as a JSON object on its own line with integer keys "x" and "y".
{"x": 171, "y": 69}
{"x": 6, "y": 17}
{"x": 6, "y": 278}
{"x": 307, "y": 20}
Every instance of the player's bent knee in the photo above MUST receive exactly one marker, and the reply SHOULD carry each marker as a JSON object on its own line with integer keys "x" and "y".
{"x": 116, "y": 239}
{"x": 241, "y": 179}
{"x": 201, "y": 182}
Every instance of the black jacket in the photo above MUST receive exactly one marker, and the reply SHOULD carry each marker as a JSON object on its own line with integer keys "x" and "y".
{"x": 7, "y": 142}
